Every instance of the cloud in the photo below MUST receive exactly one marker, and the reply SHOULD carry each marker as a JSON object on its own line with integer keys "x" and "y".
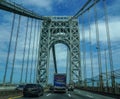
{"x": 114, "y": 8}
{"x": 47, "y": 5}
{"x": 60, "y": 1}
{"x": 114, "y": 24}
{"x": 5, "y": 27}
{"x": 61, "y": 55}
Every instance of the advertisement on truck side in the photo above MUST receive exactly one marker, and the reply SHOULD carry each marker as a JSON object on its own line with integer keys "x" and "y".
{"x": 60, "y": 82}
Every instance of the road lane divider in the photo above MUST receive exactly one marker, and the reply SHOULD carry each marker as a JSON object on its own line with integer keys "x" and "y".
{"x": 69, "y": 95}
{"x": 89, "y": 96}
{"x": 48, "y": 94}
{"x": 15, "y": 97}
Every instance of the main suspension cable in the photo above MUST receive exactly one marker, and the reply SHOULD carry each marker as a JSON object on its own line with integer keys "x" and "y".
{"x": 84, "y": 6}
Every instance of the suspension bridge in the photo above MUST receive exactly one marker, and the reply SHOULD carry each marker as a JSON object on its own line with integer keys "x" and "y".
{"x": 28, "y": 43}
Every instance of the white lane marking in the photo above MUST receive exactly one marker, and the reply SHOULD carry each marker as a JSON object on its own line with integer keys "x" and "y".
{"x": 69, "y": 95}
{"x": 48, "y": 94}
{"x": 89, "y": 96}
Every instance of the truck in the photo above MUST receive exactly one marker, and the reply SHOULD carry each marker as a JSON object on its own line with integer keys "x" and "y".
{"x": 59, "y": 82}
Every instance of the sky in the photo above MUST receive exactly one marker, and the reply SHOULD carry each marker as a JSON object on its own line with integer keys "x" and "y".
{"x": 63, "y": 8}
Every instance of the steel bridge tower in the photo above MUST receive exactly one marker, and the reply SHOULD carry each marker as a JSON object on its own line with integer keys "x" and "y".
{"x": 59, "y": 30}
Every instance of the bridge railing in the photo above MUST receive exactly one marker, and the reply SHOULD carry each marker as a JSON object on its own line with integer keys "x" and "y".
{"x": 107, "y": 87}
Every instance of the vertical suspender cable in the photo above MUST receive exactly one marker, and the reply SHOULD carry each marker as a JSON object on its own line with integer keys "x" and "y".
{"x": 84, "y": 51}
{"x": 70, "y": 73}
{"x": 84, "y": 54}
{"x": 98, "y": 49}
{"x": 67, "y": 60}
{"x": 37, "y": 46}
{"x": 28, "y": 56}
{"x": 34, "y": 80}
{"x": 16, "y": 42}
{"x": 82, "y": 78}
{"x": 109, "y": 47}
{"x": 48, "y": 59}
{"x": 8, "y": 54}
{"x": 106, "y": 71}
{"x": 36, "y": 38}
{"x": 54, "y": 58}
{"x": 91, "y": 55}
{"x": 26, "y": 34}
{"x": 33, "y": 51}
{"x": 80, "y": 54}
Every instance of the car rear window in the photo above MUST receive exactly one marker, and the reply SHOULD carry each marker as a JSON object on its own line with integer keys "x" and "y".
{"x": 30, "y": 85}
{"x": 21, "y": 85}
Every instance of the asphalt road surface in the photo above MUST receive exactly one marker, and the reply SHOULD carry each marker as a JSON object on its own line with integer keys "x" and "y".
{"x": 68, "y": 95}
{"x": 57, "y": 96}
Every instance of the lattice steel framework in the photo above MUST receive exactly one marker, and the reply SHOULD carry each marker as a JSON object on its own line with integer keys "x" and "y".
{"x": 59, "y": 30}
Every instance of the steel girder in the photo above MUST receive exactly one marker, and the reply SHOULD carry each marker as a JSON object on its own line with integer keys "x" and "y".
{"x": 59, "y": 30}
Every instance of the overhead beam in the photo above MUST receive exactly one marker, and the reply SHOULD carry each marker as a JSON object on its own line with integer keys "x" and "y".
{"x": 54, "y": 58}
{"x": 15, "y": 8}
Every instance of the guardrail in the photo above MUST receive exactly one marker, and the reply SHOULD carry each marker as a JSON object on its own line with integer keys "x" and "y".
{"x": 8, "y": 91}
{"x": 3, "y": 88}
{"x": 110, "y": 94}
{"x": 5, "y": 94}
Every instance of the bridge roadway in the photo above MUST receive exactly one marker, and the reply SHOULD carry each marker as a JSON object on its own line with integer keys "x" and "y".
{"x": 76, "y": 94}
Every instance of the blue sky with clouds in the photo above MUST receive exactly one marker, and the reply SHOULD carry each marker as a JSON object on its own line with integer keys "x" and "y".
{"x": 53, "y": 7}
{"x": 67, "y": 8}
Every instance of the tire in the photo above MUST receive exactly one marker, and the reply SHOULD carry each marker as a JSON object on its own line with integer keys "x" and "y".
{"x": 24, "y": 95}
{"x": 39, "y": 95}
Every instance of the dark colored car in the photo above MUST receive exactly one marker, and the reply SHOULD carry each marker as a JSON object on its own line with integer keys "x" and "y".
{"x": 33, "y": 89}
{"x": 51, "y": 88}
{"x": 20, "y": 87}
{"x": 70, "y": 88}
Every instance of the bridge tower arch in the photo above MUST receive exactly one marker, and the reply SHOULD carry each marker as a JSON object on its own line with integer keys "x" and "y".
{"x": 59, "y": 30}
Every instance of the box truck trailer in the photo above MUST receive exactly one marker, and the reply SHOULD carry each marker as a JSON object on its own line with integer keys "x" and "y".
{"x": 59, "y": 82}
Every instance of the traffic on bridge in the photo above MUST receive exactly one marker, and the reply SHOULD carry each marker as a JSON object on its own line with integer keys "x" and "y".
{"x": 64, "y": 49}
{"x": 77, "y": 94}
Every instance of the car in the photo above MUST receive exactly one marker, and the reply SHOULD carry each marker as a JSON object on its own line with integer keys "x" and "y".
{"x": 70, "y": 88}
{"x": 20, "y": 87}
{"x": 51, "y": 88}
{"x": 33, "y": 90}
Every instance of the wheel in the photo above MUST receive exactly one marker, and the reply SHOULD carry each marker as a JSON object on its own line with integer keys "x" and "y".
{"x": 25, "y": 95}
{"x": 39, "y": 95}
